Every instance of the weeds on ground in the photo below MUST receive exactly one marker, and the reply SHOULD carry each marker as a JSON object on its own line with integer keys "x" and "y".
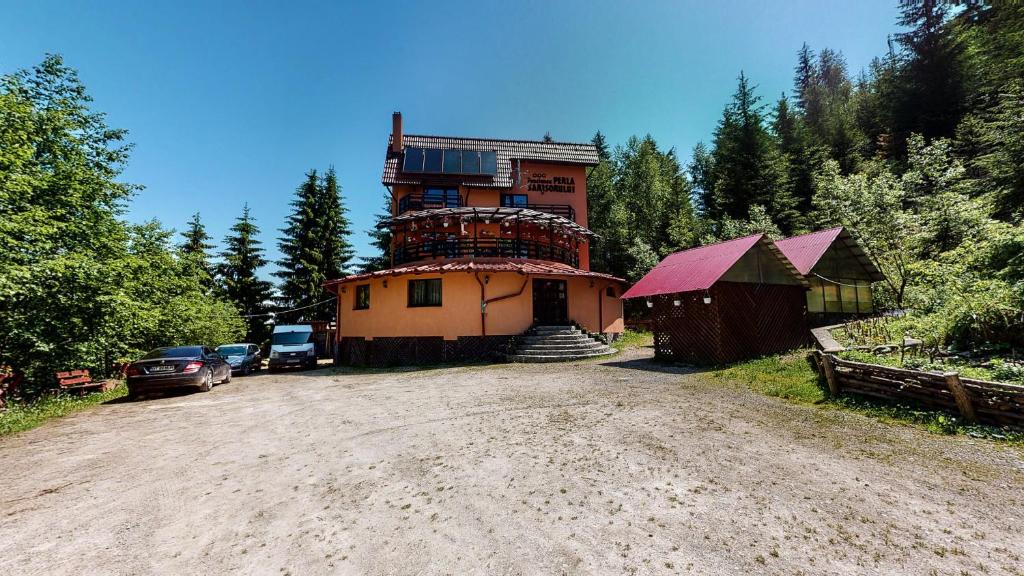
{"x": 19, "y": 417}
{"x": 633, "y": 339}
{"x": 788, "y": 376}
{"x": 792, "y": 376}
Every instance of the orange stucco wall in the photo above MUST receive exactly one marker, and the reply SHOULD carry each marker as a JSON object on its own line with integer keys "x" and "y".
{"x": 459, "y": 314}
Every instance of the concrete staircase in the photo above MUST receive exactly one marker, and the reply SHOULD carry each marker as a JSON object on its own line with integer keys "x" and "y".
{"x": 557, "y": 344}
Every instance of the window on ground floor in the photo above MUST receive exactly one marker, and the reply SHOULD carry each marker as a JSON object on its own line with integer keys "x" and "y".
{"x": 424, "y": 292}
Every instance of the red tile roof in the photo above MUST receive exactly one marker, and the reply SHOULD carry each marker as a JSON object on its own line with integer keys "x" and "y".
{"x": 507, "y": 150}
{"x": 470, "y": 265}
{"x": 806, "y": 250}
{"x": 699, "y": 268}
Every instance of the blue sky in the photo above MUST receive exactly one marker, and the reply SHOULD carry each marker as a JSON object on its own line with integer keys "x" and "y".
{"x": 232, "y": 102}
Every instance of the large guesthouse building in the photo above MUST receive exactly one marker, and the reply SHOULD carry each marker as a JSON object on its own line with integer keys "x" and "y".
{"x": 489, "y": 239}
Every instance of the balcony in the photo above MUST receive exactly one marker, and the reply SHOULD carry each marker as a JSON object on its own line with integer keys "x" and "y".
{"x": 430, "y": 201}
{"x": 563, "y": 210}
{"x": 485, "y": 248}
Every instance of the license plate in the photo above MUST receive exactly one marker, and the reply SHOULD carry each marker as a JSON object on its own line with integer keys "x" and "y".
{"x": 161, "y": 369}
{"x": 296, "y": 361}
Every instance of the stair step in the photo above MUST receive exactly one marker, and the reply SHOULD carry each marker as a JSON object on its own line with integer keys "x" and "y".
{"x": 527, "y": 358}
{"x": 557, "y": 338}
{"x": 561, "y": 346}
{"x": 532, "y": 352}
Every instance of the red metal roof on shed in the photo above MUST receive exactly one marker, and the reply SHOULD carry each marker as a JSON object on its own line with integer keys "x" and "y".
{"x": 805, "y": 251}
{"x": 693, "y": 269}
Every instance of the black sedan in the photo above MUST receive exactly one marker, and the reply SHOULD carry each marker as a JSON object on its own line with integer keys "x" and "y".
{"x": 243, "y": 358}
{"x": 177, "y": 367}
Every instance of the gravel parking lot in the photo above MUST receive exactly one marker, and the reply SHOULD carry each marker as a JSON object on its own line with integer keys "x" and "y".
{"x": 617, "y": 467}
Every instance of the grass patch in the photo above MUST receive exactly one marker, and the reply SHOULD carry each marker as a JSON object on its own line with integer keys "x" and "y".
{"x": 788, "y": 376}
{"x": 633, "y": 339}
{"x": 792, "y": 376}
{"x": 20, "y": 417}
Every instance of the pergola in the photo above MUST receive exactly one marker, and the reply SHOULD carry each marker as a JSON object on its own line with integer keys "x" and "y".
{"x": 502, "y": 215}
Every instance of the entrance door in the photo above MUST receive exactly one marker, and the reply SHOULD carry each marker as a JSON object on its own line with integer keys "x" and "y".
{"x": 550, "y": 305}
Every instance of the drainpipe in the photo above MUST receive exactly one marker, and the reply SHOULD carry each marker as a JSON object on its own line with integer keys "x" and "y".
{"x": 484, "y": 301}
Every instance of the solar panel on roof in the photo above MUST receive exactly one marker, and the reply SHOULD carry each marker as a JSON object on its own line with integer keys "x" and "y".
{"x": 489, "y": 162}
{"x": 433, "y": 160}
{"x": 413, "y": 160}
{"x": 453, "y": 161}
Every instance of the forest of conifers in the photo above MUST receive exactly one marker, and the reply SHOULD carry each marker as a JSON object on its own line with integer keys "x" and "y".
{"x": 921, "y": 157}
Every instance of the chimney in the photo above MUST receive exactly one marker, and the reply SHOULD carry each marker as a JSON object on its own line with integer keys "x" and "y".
{"x": 396, "y": 132}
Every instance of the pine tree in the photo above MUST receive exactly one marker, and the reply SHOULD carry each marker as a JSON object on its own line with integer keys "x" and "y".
{"x": 932, "y": 99}
{"x": 748, "y": 167}
{"x": 803, "y": 158}
{"x": 803, "y": 83}
{"x": 242, "y": 259}
{"x": 196, "y": 249}
{"x": 335, "y": 228}
{"x": 380, "y": 238}
{"x": 315, "y": 245}
{"x": 599, "y": 142}
{"x": 547, "y": 137}
{"x": 301, "y": 270}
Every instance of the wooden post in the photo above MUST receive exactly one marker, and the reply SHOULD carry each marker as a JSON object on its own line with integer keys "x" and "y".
{"x": 963, "y": 402}
{"x": 830, "y": 375}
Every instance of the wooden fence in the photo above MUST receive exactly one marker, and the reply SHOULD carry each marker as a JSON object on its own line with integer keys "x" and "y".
{"x": 979, "y": 401}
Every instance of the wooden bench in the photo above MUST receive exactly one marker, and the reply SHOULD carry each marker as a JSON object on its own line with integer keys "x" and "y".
{"x": 81, "y": 381}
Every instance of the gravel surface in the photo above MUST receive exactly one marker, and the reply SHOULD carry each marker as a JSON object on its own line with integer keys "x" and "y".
{"x": 613, "y": 467}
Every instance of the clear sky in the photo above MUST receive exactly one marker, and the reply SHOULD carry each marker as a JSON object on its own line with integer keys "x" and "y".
{"x": 232, "y": 102}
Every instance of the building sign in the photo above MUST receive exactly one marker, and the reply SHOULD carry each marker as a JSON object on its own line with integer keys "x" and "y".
{"x": 540, "y": 182}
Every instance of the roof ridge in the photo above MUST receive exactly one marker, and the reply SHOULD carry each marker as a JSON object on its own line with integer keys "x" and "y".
{"x": 811, "y": 233}
{"x": 481, "y": 139}
{"x": 717, "y": 243}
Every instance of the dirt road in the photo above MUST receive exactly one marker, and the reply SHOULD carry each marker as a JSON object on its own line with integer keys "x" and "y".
{"x": 619, "y": 467}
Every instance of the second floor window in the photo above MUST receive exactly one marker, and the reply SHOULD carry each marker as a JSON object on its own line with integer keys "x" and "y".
{"x": 431, "y": 198}
{"x": 362, "y": 297}
{"x": 513, "y": 200}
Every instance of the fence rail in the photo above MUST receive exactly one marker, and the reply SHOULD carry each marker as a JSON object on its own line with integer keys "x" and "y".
{"x": 979, "y": 401}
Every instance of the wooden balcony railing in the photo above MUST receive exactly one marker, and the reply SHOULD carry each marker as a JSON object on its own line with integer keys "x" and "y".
{"x": 414, "y": 202}
{"x": 483, "y": 248}
{"x": 563, "y": 210}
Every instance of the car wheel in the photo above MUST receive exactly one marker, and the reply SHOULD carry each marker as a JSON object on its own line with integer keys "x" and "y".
{"x": 207, "y": 384}
{"x": 133, "y": 394}
{"x": 246, "y": 370}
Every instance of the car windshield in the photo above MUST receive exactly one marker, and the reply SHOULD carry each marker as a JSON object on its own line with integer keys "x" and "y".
{"x": 291, "y": 338}
{"x": 231, "y": 350}
{"x": 175, "y": 352}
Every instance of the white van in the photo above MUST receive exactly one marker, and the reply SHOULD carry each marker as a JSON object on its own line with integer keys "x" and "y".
{"x": 291, "y": 346}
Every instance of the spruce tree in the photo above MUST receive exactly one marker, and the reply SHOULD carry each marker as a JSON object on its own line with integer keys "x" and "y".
{"x": 315, "y": 245}
{"x": 242, "y": 259}
{"x": 302, "y": 267}
{"x": 380, "y": 238}
{"x": 748, "y": 167}
{"x": 933, "y": 85}
{"x": 802, "y": 156}
{"x": 196, "y": 249}
{"x": 335, "y": 228}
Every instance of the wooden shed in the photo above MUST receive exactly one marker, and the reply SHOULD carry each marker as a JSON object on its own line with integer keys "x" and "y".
{"x": 725, "y": 302}
{"x": 839, "y": 272}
